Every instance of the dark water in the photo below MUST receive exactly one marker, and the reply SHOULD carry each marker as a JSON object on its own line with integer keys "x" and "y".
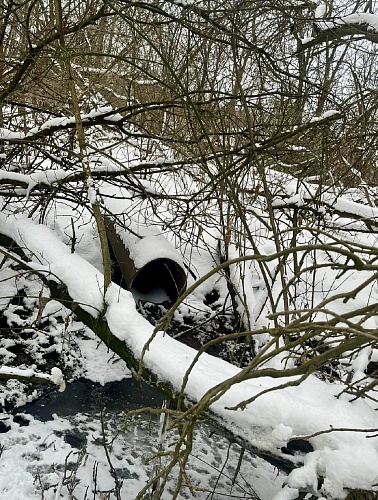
{"x": 84, "y": 396}
{"x": 89, "y": 398}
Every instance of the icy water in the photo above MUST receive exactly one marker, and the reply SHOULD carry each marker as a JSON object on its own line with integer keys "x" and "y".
{"x": 84, "y": 396}
{"x": 73, "y": 445}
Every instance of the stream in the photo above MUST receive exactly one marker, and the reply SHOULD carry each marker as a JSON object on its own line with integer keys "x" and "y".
{"x": 85, "y": 396}
{"x": 73, "y": 445}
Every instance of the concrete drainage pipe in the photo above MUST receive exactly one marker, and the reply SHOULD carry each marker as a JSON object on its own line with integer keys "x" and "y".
{"x": 151, "y": 267}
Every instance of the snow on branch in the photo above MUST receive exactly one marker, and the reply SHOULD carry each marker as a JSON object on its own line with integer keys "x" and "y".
{"x": 274, "y": 140}
{"x": 29, "y": 375}
{"x": 103, "y": 115}
{"x": 303, "y": 195}
{"x": 364, "y": 24}
{"x": 28, "y": 182}
{"x": 24, "y": 184}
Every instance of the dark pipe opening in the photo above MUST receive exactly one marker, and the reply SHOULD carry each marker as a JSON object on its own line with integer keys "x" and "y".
{"x": 159, "y": 281}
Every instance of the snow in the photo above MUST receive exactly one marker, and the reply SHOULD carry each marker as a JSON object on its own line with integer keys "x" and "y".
{"x": 326, "y": 114}
{"x": 358, "y": 18}
{"x": 9, "y": 135}
{"x": 105, "y": 112}
{"x": 92, "y": 195}
{"x": 14, "y": 176}
{"x": 57, "y": 378}
{"x": 100, "y": 364}
{"x": 282, "y": 433}
{"x": 45, "y": 177}
{"x": 145, "y": 243}
{"x": 287, "y": 493}
{"x": 149, "y": 248}
{"x": 27, "y": 372}
{"x": 54, "y": 259}
{"x": 320, "y": 10}
{"x": 8, "y": 286}
{"x": 300, "y": 194}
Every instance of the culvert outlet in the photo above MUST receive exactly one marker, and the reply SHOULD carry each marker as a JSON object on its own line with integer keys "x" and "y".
{"x": 150, "y": 266}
